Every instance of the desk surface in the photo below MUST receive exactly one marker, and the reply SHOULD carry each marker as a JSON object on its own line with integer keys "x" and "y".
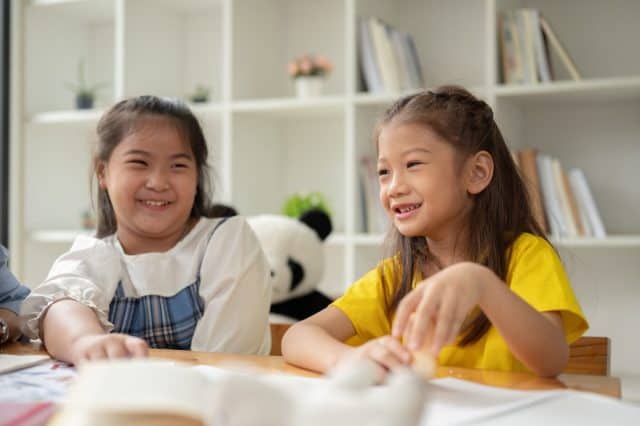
{"x": 605, "y": 385}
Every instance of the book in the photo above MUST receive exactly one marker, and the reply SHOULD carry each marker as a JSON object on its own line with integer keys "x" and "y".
{"x": 573, "y": 205}
{"x": 586, "y": 202}
{"x": 529, "y": 170}
{"x": 384, "y": 54}
{"x": 550, "y": 197}
{"x": 526, "y": 31}
{"x": 368, "y": 61}
{"x": 376, "y": 219}
{"x": 507, "y": 49}
{"x": 560, "y": 50}
{"x": 563, "y": 200}
{"x": 541, "y": 51}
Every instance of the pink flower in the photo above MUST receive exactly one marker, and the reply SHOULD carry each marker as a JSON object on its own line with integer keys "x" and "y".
{"x": 305, "y": 66}
{"x": 292, "y": 69}
{"x": 323, "y": 63}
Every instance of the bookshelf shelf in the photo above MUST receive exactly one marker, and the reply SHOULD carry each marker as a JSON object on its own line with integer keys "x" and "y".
{"x": 592, "y": 90}
{"x": 57, "y": 236}
{"x": 79, "y": 10}
{"x": 368, "y": 239}
{"x": 613, "y": 241}
{"x": 64, "y": 117}
{"x": 291, "y": 107}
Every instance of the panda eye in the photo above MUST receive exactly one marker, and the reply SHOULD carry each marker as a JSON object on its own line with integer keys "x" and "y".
{"x": 272, "y": 273}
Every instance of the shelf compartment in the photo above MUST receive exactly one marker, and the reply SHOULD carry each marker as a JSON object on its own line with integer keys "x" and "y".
{"x": 268, "y": 34}
{"x": 88, "y": 33}
{"x": 172, "y": 47}
{"x": 592, "y": 90}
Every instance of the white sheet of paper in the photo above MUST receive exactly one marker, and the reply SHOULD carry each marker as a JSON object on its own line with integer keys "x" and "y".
{"x": 9, "y": 363}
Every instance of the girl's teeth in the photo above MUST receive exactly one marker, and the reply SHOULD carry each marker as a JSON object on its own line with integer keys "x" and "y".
{"x": 155, "y": 203}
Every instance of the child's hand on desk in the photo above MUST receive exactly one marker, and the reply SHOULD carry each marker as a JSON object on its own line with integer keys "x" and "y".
{"x": 386, "y": 351}
{"x": 114, "y": 345}
{"x": 439, "y": 305}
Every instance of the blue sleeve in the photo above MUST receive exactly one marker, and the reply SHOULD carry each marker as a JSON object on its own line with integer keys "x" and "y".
{"x": 11, "y": 292}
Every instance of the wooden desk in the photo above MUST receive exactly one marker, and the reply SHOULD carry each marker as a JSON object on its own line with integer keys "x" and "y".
{"x": 604, "y": 385}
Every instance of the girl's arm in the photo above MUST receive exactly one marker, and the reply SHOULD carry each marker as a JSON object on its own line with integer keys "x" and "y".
{"x": 71, "y": 332}
{"x": 535, "y": 338}
{"x": 316, "y": 344}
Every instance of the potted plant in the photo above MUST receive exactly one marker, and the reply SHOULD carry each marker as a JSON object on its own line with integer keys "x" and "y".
{"x": 300, "y": 202}
{"x": 85, "y": 94}
{"x": 200, "y": 94}
{"x": 309, "y": 73}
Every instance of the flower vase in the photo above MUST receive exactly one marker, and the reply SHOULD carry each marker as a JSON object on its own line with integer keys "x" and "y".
{"x": 309, "y": 86}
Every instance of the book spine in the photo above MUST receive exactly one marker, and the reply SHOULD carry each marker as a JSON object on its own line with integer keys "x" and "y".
{"x": 529, "y": 170}
{"x": 585, "y": 198}
{"x": 559, "y": 49}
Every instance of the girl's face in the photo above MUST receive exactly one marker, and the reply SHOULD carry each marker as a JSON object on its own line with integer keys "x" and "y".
{"x": 151, "y": 178}
{"x": 421, "y": 184}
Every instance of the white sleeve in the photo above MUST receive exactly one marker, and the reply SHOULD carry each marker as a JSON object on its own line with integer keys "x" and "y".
{"x": 236, "y": 288}
{"x": 88, "y": 274}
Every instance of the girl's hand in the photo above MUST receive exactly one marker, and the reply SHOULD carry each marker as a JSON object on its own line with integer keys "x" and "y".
{"x": 439, "y": 305}
{"x": 386, "y": 351}
{"x": 103, "y": 346}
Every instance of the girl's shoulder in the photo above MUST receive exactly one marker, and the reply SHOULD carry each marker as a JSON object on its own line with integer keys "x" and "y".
{"x": 526, "y": 242}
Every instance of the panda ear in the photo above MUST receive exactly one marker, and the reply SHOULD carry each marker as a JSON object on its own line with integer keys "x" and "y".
{"x": 319, "y": 221}
{"x": 222, "y": 210}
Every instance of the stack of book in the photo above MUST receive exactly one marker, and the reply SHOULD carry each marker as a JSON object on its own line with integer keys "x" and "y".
{"x": 374, "y": 218}
{"x": 525, "y": 41}
{"x": 388, "y": 59}
{"x": 562, "y": 201}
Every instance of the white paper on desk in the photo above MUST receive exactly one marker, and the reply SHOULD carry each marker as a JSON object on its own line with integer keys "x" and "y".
{"x": 454, "y": 401}
{"x": 48, "y": 381}
{"x": 9, "y": 363}
{"x": 570, "y": 408}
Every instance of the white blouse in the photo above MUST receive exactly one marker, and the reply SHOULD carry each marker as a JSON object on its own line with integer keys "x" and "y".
{"x": 234, "y": 283}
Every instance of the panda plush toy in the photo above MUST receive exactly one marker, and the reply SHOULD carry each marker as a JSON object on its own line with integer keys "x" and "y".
{"x": 294, "y": 250}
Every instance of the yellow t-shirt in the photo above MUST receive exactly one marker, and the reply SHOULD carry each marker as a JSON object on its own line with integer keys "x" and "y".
{"x": 535, "y": 274}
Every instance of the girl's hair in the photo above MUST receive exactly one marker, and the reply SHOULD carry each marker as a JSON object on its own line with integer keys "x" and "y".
{"x": 500, "y": 213}
{"x": 126, "y": 117}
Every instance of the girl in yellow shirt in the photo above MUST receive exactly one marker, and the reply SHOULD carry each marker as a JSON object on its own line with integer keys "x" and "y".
{"x": 472, "y": 275}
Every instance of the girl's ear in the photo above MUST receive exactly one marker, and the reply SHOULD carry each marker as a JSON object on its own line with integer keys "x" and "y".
{"x": 100, "y": 174}
{"x": 479, "y": 172}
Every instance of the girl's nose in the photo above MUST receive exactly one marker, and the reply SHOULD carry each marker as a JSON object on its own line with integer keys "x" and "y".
{"x": 157, "y": 181}
{"x": 397, "y": 186}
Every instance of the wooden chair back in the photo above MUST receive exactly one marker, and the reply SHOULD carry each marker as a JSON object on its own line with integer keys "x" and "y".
{"x": 277, "y": 331}
{"x": 589, "y": 355}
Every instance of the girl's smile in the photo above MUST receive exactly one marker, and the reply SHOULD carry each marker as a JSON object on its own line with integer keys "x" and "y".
{"x": 405, "y": 211}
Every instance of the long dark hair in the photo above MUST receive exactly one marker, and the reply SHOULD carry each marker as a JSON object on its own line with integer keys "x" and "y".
{"x": 500, "y": 213}
{"x": 121, "y": 120}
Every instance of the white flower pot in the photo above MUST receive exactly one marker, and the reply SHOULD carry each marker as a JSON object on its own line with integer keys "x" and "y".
{"x": 309, "y": 86}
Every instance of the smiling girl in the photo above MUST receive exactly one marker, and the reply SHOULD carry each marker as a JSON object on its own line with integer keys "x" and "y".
{"x": 471, "y": 274}
{"x": 160, "y": 272}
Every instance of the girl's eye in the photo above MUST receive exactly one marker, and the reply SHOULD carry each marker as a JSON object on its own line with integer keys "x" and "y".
{"x": 413, "y": 163}
{"x": 383, "y": 172}
{"x": 137, "y": 162}
{"x": 180, "y": 166}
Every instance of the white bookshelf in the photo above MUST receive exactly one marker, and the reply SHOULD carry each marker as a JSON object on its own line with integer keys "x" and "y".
{"x": 267, "y": 144}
